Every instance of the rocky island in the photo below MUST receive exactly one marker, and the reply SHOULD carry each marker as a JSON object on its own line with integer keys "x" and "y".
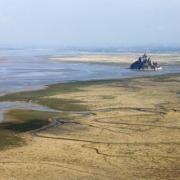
{"x": 144, "y": 63}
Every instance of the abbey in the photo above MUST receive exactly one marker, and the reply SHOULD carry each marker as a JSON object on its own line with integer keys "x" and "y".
{"x": 144, "y": 63}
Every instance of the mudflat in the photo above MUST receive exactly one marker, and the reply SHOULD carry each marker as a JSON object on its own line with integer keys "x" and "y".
{"x": 110, "y": 129}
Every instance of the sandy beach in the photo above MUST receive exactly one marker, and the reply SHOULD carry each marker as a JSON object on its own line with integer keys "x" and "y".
{"x": 119, "y": 58}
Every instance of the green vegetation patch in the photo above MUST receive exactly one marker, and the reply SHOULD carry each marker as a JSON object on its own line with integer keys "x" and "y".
{"x": 20, "y": 121}
{"x": 51, "y": 91}
{"x": 63, "y": 104}
{"x": 36, "y": 95}
{"x": 26, "y": 120}
{"x": 9, "y": 139}
{"x": 40, "y": 97}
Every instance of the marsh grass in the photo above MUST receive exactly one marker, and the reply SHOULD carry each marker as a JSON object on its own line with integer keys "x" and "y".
{"x": 131, "y": 129}
{"x": 51, "y": 90}
{"x": 63, "y": 104}
{"x": 9, "y": 139}
{"x": 20, "y": 121}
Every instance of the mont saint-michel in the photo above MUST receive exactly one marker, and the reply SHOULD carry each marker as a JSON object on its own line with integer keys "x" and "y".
{"x": 145, "y": 63}
{"x": 89, "y": 90}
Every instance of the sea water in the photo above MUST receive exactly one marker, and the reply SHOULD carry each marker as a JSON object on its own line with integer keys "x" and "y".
{"x": 26, "y": 70}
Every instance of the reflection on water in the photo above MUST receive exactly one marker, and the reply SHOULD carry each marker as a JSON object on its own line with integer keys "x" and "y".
{"x": 18, "y": 73}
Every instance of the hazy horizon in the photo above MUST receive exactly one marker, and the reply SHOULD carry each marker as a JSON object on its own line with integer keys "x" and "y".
{"x": 90, "y": 23}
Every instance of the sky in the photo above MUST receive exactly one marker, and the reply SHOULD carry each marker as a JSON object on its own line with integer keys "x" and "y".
{"x": 92, "y": 23}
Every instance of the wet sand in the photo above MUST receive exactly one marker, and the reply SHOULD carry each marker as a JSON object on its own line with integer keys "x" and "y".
{"x": 123, "y": 58}
{"x": 19, "y": 73}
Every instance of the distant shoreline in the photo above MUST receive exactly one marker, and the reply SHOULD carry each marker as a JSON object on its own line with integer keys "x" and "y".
{"x": 124, "y": 58}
